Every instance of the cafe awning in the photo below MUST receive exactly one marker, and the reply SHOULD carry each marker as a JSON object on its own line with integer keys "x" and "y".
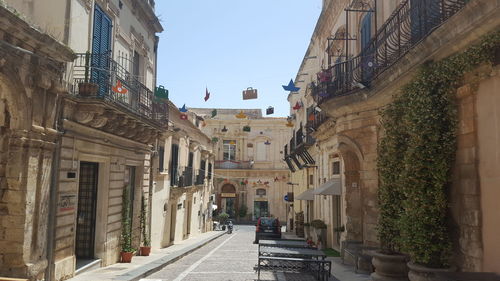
{"x": 331, "y": 187}
{"x": 306, "y": 195}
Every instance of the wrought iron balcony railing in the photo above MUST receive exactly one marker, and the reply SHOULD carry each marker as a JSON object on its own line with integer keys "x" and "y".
{"x": 99, "y": 76}
{"x": 314, "y": 119}
{"x": 231, "y": 164}
{"x": 200, "y": 177}
{"x": 408, "y": 25}
{"x": 186, "y": 177}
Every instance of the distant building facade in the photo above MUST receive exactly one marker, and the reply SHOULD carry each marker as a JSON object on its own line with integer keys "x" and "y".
{"x": 250, "y": 177}
{"x": 183, "y": 181}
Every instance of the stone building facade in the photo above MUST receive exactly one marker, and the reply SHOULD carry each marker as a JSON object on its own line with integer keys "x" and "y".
{"x": 31, "y": 93}
{"x": 249, "y": 172}
{"x": 183, "y": 181}
{"x": 346, "y": 86}
{"x": 106, "y": 127}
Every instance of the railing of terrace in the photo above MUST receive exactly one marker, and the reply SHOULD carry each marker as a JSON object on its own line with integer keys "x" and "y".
{"x": 101, "y": 70}
{"x": 409, "y": 24}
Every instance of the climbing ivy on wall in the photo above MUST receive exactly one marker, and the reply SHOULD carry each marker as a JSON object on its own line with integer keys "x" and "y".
{"x": 416, "y": 154}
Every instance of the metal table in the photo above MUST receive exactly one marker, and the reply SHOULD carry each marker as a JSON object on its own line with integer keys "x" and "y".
{"x": 283, "y": 243}
{"x": 291, "y": 252}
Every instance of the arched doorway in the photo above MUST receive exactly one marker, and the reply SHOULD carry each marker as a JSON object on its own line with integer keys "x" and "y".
{"x": 353, "y": 195}
{"x": 229, "y": 200}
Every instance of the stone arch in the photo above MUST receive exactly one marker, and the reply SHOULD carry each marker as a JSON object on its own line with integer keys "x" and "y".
{"x": 14, "y": 101}
{"x": 351, "y": 157}
{"x": 228, "y": 188}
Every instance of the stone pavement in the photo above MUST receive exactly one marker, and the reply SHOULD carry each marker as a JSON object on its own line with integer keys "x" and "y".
{"x": 233, "y": 258}
{"x": 340, "y": 272}
{"x": 142, "y": 266}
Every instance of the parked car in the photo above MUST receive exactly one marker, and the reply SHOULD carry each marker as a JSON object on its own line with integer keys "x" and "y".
{"x": 267, "y": 228}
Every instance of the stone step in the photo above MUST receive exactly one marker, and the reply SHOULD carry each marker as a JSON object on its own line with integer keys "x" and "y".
{"x": 87, "y": 265}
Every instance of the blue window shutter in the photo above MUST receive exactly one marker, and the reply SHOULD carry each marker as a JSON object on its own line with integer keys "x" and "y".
{"x": 366, "y": 30}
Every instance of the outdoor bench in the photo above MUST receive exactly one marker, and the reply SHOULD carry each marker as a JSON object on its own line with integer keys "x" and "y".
{"x": 319, "y": 268}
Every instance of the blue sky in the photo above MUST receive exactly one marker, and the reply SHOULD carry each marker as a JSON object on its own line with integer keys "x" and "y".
{"x": 229, "y": 45}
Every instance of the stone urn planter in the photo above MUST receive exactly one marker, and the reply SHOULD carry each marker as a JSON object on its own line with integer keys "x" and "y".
{"x": 87, "y": 89}
{"x": 422, "y": 273}
{"x": 389, "y": 267}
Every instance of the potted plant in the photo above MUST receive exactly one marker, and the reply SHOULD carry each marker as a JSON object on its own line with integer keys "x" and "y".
{"x": 145, "y": 249}
{"x": 389, "y": 263}
{"x": 126, "y": 237}
{"x": 87, "y": 88}
{"x": 223, "y": 217}
{"x": 320, "y": 232}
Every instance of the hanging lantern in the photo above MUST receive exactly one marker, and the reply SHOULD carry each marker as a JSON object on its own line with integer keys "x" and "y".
{"x": 267, "y": 142}
{"x": 241, "y": 115}
{"x": 259, "y": 182}
{"x": 276, "y": 179}
{"x": 224, "y": 129}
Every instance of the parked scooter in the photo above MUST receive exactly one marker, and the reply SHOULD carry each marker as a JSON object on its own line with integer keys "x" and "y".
{"x": 230, "y": 227}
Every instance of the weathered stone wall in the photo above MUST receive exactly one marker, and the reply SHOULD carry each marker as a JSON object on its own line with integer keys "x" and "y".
{"x": 29, "y": 94}
{"x": 113, "y": 154}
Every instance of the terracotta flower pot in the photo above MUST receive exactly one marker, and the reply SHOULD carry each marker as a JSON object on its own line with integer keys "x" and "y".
{"x": 422, "y": 273}
{"x": 145, "y": 251}
{"x": 87, "y": 89}
{"x": 389, "y": 267}
{"x": 126, "y": 257}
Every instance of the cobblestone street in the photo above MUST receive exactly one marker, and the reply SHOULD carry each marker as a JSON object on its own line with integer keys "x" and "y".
{"x": 230, "y": 257}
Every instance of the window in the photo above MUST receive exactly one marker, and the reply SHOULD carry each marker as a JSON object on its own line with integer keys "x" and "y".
{"x": 311, "y": 179}
{"x": 261, "y": 192}
{"x": 229, "y": 147}
{"x": 261, "y": 151}
{"x": 161, "y": 158}
{"x": 336, "y": 168}
{"x": 174, "y": 163}
{"x": 209, "y": 170}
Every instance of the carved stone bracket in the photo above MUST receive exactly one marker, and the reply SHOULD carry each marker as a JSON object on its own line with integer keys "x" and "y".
{"x": 115, "y": 122}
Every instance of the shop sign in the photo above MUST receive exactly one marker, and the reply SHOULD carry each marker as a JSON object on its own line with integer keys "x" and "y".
{"x": 67, "y": 202}
{"x": 226, "y": 195}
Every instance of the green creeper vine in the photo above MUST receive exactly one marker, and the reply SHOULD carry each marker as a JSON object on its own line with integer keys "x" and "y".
{"x": 417, "y": 153}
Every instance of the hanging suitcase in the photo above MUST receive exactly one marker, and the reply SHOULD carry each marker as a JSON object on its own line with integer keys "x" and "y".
{"x": 249, "y": 93}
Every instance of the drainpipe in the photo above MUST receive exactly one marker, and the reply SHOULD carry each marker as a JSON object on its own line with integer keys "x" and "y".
{"x": 54, "y": 183}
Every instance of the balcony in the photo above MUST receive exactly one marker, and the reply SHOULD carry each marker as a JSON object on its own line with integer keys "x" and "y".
{"x": 231, "y": 164}
{"x": 409, "y": 24}
{"x": 314, "y": 119}
{"x": 186, "y": 177}
{"x": 98, "y": 77}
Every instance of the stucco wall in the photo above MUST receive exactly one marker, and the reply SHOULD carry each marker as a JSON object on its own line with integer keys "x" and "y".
{"x": 488, "y": 123}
